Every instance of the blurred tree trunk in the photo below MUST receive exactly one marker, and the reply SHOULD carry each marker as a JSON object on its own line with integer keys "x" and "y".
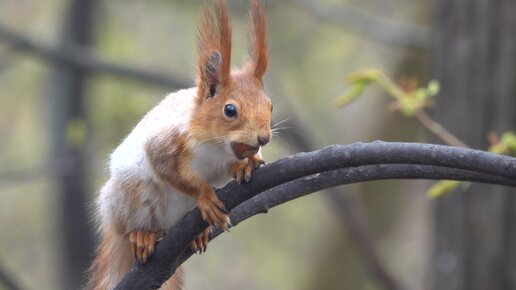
{"x": 69, "y": 134}
{"x": 475, "y": 228}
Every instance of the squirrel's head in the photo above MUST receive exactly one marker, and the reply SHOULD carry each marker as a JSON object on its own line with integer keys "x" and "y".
{"x": 232, "y": 106}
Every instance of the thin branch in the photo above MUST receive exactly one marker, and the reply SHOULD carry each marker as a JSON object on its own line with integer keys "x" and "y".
{"x": 56, "y": 167}
{"x": 86, "y": 59}
{"x": 438, "y": 130}
{"x": 359, "y": 161}
{"x": 370, "y": 24}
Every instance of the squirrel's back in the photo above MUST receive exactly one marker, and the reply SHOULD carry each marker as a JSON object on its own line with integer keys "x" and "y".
{"x": 172, "y": 114}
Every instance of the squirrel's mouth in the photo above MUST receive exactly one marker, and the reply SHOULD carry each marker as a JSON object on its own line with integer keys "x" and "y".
{"x": 243, "y": 150}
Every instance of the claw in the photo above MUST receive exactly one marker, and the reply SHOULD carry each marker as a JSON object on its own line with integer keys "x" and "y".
{"x": 247, "y": 178}
{"x": 238, "y": 178}
{"x": 242, "y": 170}
{"x": 228, "y": 227}
{"x": 200, "y": 244}
{"x": 193, "y": 246}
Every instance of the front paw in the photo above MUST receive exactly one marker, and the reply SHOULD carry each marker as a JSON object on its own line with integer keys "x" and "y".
{"x": 242, "y": 170}
{"x": 213, "y": 210}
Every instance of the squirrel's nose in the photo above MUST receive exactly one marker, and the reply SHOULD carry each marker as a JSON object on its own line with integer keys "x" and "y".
{"x": 262, "y": 140}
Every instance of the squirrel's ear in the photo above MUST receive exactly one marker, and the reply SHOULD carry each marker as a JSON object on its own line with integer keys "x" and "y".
{"x": 211, "y": 72}
{"x": 214, "y": 49}
{"x": 258, "y": 39}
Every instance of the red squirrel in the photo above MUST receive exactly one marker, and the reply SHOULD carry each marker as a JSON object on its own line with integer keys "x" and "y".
{"x": 194, "y": 140}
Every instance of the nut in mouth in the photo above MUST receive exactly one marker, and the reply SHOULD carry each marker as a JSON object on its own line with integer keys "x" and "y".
{"x": 243, "y": 150}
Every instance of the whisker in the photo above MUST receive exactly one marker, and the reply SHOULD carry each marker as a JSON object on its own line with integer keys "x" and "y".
{"x": 282, "y": 129}
{"x": 280, "y": 122}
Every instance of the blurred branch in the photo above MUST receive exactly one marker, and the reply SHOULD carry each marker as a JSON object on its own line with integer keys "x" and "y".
{"x": 83, "y": 58}
{"x": 357, "y": 225}
{"x": 56, "y": 168}
{"x": 6, "y": 281}
{"x": 308, "y": 172}
{"x": 370, "y": 24}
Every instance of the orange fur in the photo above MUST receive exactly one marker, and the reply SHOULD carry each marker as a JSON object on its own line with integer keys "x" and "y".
{"x": 114, "y": 259}
{"x": 245, "y": 92}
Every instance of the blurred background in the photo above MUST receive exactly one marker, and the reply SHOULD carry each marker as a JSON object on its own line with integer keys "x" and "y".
{"x": 77, "y": 75}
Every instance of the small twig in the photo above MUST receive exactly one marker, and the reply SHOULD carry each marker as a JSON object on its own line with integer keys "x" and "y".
{"x": 399, "y": 94}
{"x": 372, "y": 161}
{"x": 438, "y": 130}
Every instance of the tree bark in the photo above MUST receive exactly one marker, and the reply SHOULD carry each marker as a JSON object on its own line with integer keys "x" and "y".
{"x": 475, "y": 57}
{"x": 67, "y": 93}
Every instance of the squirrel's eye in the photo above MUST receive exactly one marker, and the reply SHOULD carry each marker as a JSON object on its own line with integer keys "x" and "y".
{"x": 230, "y": 111}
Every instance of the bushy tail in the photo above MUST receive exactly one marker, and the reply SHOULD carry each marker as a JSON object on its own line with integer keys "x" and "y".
{"x": 113, "y": 260}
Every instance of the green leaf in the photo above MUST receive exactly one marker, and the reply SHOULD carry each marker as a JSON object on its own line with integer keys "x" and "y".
{"x": 509, "y": 139}
{"x": 433, "y": 88}
{"x": 507, "y": 144}
{"x": 421, "y": 94}
{"x": 442, "y": 187}
{"x": 364, "y": 76}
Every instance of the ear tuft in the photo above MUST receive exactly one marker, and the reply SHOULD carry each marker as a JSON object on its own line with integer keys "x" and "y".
{"x": 258, "y": 39}
{"x": 214, "y": 49}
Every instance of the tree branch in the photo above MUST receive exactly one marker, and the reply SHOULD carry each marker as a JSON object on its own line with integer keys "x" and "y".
{"x": 81, "y": 57}
{"x": 370, "y": 24}
{"x": 303, "y": 173}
